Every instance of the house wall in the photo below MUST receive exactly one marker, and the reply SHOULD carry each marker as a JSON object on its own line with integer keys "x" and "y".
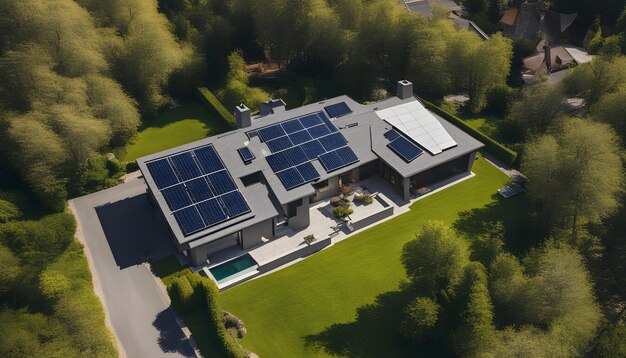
{"x": 253, "y": 235}
{"x": 443, "y": 171}
{"x": 302, "y": 218}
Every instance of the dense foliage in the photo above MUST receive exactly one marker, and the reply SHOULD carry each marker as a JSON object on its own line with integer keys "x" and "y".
{"x": 542, "y": 305}
{"x": 74, "y": 78}
{"x": 48, "y": 304}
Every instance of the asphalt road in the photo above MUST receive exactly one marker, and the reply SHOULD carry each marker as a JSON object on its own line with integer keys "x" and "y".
{"x": 120, "y": 227}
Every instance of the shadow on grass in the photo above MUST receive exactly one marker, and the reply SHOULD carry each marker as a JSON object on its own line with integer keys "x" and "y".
{"x": 374, "y": 333}
{"x": 518, "y": 216}
{"x": 171, "y": 338}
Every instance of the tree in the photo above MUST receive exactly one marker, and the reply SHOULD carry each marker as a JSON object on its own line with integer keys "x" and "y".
{"x": 539, "y": 108}
{"x": 611, "y": 109}
{"x": 420, "y": 317}
{"x": 506, "y": 280}
{"x": 237, "y": 89}
{"x": 613, "y": 342}
{"x": 435, "y": 259}
{"x": 8, "y": 211}
{"x": 488, "y": 246}
{"x": 576, "y": 173}
{"x": 480, "y": 65}
{"x": 475, "y": 6}
{"x": 476, "y": 332}
{"x": 9, "y": 269}
{"x": 596, "y": 78}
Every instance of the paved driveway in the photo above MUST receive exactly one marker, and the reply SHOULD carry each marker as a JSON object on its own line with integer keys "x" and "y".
{"x": 120, "y": 228}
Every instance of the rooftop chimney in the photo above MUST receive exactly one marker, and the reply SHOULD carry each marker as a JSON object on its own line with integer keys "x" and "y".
{"x": 272, "y": 106}
{"x": 404, "y": 89}
{"x": 548, "y": 56}
{"x": 242, "y": 116}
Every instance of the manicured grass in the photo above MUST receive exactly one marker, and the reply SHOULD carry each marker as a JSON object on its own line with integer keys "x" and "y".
{"x": 346, "y": 299}
{"x": 187, "y": 123}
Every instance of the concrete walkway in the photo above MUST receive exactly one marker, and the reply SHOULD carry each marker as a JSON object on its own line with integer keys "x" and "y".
{"x": 119, "y": 230}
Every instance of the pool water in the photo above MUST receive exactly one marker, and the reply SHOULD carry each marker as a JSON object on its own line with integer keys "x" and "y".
{"x": 232, "y": 267}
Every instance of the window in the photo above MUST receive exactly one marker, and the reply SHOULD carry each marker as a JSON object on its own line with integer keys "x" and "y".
{"x": 321, "y": 185}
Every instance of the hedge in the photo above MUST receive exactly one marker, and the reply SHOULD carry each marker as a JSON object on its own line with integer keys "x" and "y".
{"x": 230, "y": 347}
{"x": 503, "y": 153}
{"x": 182, "y": 294}
{"x": 209, "y": 100}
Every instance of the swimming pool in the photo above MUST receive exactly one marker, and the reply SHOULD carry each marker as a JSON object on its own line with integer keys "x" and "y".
{"x": 233, "y": 267}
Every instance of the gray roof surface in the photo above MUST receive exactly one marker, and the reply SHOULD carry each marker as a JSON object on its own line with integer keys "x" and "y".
{"x": 365, "y": 139}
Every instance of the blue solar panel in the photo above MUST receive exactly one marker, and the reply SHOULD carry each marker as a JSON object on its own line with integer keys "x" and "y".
{"x": 278, "y": 144}
{"x": 295, "y": 156}
{"x": 189, "y": 220}
{"x": 328, "y": 123}
{"x": 313, "y": 149}
{"x": 221, "y": 182}
{"x": 245, "y": 154}
{"x": 347, "y": 155}
{"x": 185, "y": 166}
{"x": 405, "y": 149}
{"x": 300, "y": 137}
{"x": 391, "y": 135}
{"x": 292, "y": 126}
{"x": 211, "y": 212}
{"x": 235, "y": 204}
{"x": 278, "y": 161}
{"x": 331, "y": 161}
{"x": 308, "y": 172}
{"x": 162, "y": 173}
{"x": 199, "y": 189}
{"x": 290, "y": 178}
{"x": 176, "y": 197}
{"x": 310, "y": 120}
{"x": 333, "y": 141}
{"x": 319, "y": 131}
{"x": 209, "y": 160}
{"x": 271, "y": 132}
{"x": 338, "y": 110}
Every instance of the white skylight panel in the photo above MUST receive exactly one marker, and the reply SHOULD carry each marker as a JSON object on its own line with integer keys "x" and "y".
{"x": 419, "y": 124}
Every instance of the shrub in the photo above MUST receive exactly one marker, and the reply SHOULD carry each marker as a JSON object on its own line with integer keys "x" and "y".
{"x": 499, "y": 99}
{"x": 505, "y": 154}
{"x": 8, "y": 211}
{"x": 342, "y": 211}
{"x": 131, "y": 167}
{"x": 365, "y": 199}
{"x": 347, "y": 190}
{"x": 115, "y": 166}
{"x": 229, "y": 346}
{"x": 182, "y": 294}
{"x": 335, "y": 201}
{"x": 420, "y": 317}
{"x": 213, "y": 104}
{"x": 309, "y": 239}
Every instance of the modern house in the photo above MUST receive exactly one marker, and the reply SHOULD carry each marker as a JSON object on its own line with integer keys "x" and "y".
{"x": 237, "y": 188}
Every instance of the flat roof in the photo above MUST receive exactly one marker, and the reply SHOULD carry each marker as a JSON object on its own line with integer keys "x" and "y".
{"x": 363, "y": 129}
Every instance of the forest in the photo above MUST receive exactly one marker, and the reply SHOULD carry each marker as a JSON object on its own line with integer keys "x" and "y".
{"x": 79, "y": 79}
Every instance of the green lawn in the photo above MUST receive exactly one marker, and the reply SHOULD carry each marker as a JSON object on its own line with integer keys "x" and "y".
{"x": 187, "y": 123}
{"x": 346, "y": 300}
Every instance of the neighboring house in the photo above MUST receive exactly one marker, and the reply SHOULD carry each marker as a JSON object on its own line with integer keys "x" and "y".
{"x": 534, "y": 20}
{"x": 235, "y": 190}
{"x": 424, "y": 7}
{"x": 550, "y": 61}
{"x": 461, "y": 23}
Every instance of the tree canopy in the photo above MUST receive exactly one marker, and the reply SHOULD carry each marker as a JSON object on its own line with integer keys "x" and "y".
{"x": 575, "y": 172}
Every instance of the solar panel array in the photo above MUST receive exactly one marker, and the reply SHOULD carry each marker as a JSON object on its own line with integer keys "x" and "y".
{"x": 198, "y": 189}
{"x": 338, "y": 110}
{"x": 417, "y": 123}
{"x": 403, "y": 147}
{"x": 294, "y": 143}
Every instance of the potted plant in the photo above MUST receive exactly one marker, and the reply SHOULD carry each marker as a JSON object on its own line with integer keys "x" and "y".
{"x": 335, "y": 201}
